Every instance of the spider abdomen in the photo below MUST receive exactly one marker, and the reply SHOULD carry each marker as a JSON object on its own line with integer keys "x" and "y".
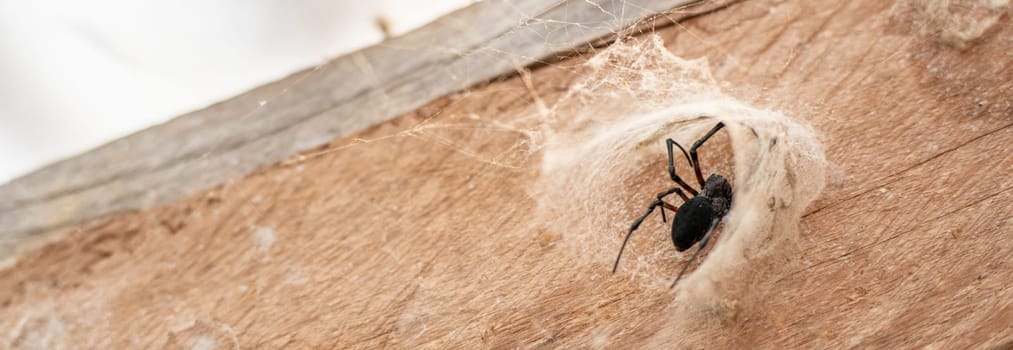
{"x": 691, "y": 222}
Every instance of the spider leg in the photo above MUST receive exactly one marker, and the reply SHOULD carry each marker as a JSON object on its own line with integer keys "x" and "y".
{"x": 636, "y": 224}
{"x": 697, "y": 144}
{"x": 657, "y": 203}
{"x": 664, "y": 206}
{"x": 671, "y": 166}
{"x": 703, "y": 243}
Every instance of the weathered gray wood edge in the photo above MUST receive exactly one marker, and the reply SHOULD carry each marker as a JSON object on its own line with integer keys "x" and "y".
{"x": 201, "y": 149}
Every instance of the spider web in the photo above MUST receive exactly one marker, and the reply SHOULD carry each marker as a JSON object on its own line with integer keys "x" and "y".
{"x": 615, "y": 139}
{"x": 611, "y": 126}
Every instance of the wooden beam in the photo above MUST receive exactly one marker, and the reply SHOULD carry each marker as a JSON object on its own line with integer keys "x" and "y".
{"x": 439, "y": 229}
{"x": 231, "y": 138}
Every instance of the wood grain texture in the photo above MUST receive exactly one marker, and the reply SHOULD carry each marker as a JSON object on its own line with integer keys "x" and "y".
{"x": 422, "y": 231}
{"x": 207, "y": 147}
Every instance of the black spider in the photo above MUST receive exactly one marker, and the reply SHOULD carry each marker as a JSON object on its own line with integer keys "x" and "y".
{"x": 697, "y": 217}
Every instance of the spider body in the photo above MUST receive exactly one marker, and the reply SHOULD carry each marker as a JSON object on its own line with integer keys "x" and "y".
{"x": 693, "y": 219}
{"x": 697, "y": 217}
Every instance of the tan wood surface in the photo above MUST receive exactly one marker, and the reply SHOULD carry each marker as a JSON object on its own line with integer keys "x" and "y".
{"x": 425, "y": 231}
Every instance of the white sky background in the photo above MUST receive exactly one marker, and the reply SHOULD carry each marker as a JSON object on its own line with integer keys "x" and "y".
{"x": 77, "y": 74}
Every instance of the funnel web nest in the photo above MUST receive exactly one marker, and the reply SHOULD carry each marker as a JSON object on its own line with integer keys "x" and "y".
{"x": 602, "y": 166}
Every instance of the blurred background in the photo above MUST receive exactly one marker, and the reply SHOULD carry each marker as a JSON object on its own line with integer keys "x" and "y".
{"x": 77, "y": 74}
